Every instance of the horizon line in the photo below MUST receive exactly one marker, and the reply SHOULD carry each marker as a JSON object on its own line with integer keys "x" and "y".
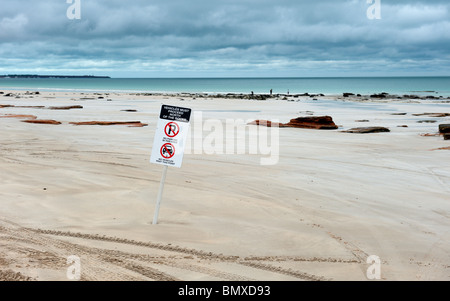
{"x": 221, "y": 77}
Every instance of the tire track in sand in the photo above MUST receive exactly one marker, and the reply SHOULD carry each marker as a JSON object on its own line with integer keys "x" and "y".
{"x": 248, "y": 261}
{"x": 108, "y": 263}
{"x": 95, "y": 265}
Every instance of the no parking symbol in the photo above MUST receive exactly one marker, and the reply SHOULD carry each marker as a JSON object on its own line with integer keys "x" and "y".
{"x": 172, "y": 129}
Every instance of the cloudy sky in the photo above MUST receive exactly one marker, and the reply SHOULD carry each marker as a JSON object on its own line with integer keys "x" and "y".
{"x": 225, "y": 38}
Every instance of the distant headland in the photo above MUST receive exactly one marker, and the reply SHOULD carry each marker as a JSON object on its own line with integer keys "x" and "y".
{"x": 50, "y": 76}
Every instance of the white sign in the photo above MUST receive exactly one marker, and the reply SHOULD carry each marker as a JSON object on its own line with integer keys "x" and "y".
{"x": 171, "y": 135}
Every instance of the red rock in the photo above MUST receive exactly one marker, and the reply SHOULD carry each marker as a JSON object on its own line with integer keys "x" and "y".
{"x": 130, "y": 123}
{"x": 30, "y": 107}
{"x": 433, "y": 114}
{"x": 313, "y": 122}
{"x": 41, "y": 121}
{"x": 22, "y": 107}
{"x": 66, "y": 108}
{"x": 18, "y": 116}
{"x": 442, "y": 148}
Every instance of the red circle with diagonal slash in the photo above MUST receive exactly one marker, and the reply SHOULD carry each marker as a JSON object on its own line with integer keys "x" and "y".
{"x": 169, "y": 128}
{"x": 165, "y": 151}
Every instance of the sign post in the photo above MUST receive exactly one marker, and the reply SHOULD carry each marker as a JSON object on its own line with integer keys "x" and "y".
{"x": 160, "y": 192}
{"x": 169, "y": 143}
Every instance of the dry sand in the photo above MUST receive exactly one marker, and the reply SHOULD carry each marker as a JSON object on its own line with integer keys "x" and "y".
{"x": 332, "y": 200}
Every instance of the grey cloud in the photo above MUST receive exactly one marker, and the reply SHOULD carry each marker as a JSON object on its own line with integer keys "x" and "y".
{"x": 225, "y": 34}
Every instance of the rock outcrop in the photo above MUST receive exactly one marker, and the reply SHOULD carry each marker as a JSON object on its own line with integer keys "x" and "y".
{"x": 106, "y": 123}
{"x": 433, "y": 114}
{"x": 368, "y": 130}
{"x": 311, "y": 122}
{"x": 65, "y": 108}
{"x": 30, "y": 107}
{"x": 381, "y": 95}
{"x": 42, "y": 121}
{"x": 444, "y": 128}
{"x": 18, "y": 116}
{"x": 426, "y": 121}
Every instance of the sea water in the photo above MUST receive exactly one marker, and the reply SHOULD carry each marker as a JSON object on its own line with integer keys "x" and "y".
{"x": 328, "y": 86}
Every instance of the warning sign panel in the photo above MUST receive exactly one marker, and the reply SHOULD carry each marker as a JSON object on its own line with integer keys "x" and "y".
{"x": 170, "y": 137}
{"x": 175, "y": 113}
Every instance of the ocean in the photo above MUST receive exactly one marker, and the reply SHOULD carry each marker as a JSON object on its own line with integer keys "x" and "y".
{"x": 328, "y": 86}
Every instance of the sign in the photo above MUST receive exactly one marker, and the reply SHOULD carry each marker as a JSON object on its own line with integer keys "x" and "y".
{"x": 171, "y": 135}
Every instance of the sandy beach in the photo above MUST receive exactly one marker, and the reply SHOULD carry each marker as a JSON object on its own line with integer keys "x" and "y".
{"x": 332, "y": 200}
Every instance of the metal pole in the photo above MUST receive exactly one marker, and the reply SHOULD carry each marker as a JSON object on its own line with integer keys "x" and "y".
{"x": 158, "y": 201}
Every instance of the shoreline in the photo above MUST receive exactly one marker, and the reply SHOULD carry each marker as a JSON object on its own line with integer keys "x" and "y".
{"x": 422, "y": 86}
{"x": 346, "y": 96}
